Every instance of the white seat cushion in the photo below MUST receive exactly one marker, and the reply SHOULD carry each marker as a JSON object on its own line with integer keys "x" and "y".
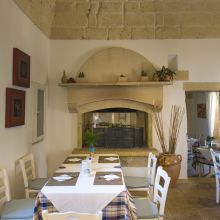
{"x": 136, "y": 182}
{"x": 37, "y": 184}
{"x": 146, "y": 209}
{"x": 18, "y": 209}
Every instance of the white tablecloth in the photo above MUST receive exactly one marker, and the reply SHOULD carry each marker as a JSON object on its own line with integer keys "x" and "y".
{"x": 84, "y": 196}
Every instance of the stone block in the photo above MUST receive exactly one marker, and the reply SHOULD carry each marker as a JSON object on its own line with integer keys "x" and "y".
{"x": 167, "y": 32}
{"x": 92, "y": 20}
{"x": 196, "y": 19}
{"x": 200, "y": 32}
{"x": 96, "y": 34}
{"x": 151, "y": 6}
{"x": 111, "y": 7}
{"x": 110, "y": 20}
{"x": 159, "y": 19}
{"x": 139, "y": 19}
{"x": 175, "y": 5}
{"x": 213, "y": 5}
{"x": 197, "y": 5}
{"x": 119, "y": 34}
{"x": 83, "y": 6}
{"x": 67, "y": 33}
{"x": 216, "y": 19}
{"x": 132, "y": 6}
{"x": 172, "y": 19}
{"x": 143, "y": 33}
{"x": 70, "y": 20}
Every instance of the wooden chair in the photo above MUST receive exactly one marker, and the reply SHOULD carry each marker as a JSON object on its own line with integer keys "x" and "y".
{"x": 13, "y": 209}
{"x": 216, "y": 162}
{"x": 71, "y": 216}
{"x": 32, "y": 184}
{"x": 135, "y": 183}
{"x": 154, "y": 209}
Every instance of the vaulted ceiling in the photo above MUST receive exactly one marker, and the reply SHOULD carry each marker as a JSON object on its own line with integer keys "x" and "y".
{"x": 124, "y": 19}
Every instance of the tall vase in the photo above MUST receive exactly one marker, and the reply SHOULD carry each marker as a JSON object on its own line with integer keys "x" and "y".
{"x": 172, "y": 164}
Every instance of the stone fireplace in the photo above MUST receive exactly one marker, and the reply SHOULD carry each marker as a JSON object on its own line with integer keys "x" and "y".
{"x": 102, "y": 91}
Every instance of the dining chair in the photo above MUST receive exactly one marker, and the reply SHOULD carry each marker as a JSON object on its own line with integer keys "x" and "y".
{"x": 216, "y": 162}
{"x": 154, "y": 208}
{"x": 13, "y": 209}
{"x": 32, "y": 184}
{"x": 71, "y": 216}
{"x": 136, "y": 183}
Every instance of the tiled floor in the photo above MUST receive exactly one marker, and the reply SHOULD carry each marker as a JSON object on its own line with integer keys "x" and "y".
{"x": 192, "y": 199}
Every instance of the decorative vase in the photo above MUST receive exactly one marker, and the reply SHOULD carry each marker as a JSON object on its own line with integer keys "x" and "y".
{"x": 64, "y": 78}
{"x": 172, "y": 164}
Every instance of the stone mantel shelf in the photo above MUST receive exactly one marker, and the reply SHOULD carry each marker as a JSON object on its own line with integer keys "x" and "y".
{"x": 101, "y": 84}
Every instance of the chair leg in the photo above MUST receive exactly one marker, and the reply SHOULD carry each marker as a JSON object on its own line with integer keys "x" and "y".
{"x": 217, "y": 193}
{"x": 27, "y": 193}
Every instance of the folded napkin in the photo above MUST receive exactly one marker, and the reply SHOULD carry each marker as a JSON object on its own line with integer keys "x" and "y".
{"x": 74, "y": 159}
{"x": 111, "y": 158}
{"x": 109, "y": 177}
{"x": 62, "y": 177}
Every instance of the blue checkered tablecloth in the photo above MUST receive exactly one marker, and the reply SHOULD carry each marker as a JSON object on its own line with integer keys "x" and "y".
{"x": 121, "y": 207}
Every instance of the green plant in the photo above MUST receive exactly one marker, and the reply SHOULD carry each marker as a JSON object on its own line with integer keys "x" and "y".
{"x": 209, "y": 140}
{"x": 165, "y": 74}
{"x": 90, "y": 139}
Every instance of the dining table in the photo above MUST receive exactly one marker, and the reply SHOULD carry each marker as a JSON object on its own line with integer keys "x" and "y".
{"x": 98, "y": 186}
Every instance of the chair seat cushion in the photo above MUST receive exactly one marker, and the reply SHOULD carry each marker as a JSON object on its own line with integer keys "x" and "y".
{"x": 37, "y": 184}
{"x": 146, "y": 209}
{"x": 136, "y": 182}
{"x": 18, "y": 209}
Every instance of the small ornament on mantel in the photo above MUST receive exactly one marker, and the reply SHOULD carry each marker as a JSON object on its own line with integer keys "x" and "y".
{"x": 64, "y": 78}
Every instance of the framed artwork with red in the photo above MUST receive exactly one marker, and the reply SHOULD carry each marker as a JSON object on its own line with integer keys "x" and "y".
{"x": 15, "y": 107}
{"x": 21, "y": 68}
{"x": 201, "y": 110}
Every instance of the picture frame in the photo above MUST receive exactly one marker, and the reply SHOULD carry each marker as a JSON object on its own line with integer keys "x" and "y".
{"x": 15, "y": 107}
{"x": 21, "y": 68}
{"x": 201, "y": 110}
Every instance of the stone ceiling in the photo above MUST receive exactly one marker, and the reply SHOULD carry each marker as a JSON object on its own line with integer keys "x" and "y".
{"x": 124, "y": 19}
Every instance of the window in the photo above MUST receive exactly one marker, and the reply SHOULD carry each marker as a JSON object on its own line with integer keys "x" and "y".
{"x": 38, "y": 97}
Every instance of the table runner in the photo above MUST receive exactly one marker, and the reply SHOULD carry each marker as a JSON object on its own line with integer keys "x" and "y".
{"x": 100, "y": 180}
{"x": 121, "y": 207}
{"x": 107, "y": 159}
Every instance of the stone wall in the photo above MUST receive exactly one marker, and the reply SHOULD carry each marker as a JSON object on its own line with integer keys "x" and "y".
{"x": 126, "y": 19}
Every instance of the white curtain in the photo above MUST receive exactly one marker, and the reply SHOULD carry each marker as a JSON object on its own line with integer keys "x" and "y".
{"x": 211, "y": 103}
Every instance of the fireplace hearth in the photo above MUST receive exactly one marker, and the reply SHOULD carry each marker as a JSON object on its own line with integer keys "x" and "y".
{"x": 117, "y": 127}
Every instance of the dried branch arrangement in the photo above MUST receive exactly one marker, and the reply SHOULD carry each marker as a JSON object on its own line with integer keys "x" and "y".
{"x": 176, "y": 118}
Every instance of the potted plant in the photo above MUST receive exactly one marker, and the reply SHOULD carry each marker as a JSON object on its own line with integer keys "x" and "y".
{"x": 144, "y": 76}
{"x": 90, "y": 140}
{"x": 165, "y": 74}
{"x": 168, "y": 159}
{"x": 122, "y": 78}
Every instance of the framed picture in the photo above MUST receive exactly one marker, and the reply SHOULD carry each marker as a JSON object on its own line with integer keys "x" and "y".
{"x": 201, "y": 110}
{"x": 15, "y": 107}
{"x": 21, "y": 68}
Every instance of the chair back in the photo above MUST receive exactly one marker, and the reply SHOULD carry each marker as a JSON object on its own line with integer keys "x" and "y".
{"x": 151, "y": 167}
{"x": 27, "y": 168}
{"x": 71, "y": 216}
{"x": 216, "y": 162}
{"x": 161, "y": 186}
{"x": 5, "y": 195}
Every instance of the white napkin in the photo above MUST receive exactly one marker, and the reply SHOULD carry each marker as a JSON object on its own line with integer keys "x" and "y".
{"x": 109, "y": 177}
{"x": 74, "y": 159}
{"x": 111, "y": 158}
{"x": 62, "y": 177}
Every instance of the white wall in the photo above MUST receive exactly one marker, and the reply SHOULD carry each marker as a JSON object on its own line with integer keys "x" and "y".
{"x": 200, "y": 57}
{"x": 16, "y": 30}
